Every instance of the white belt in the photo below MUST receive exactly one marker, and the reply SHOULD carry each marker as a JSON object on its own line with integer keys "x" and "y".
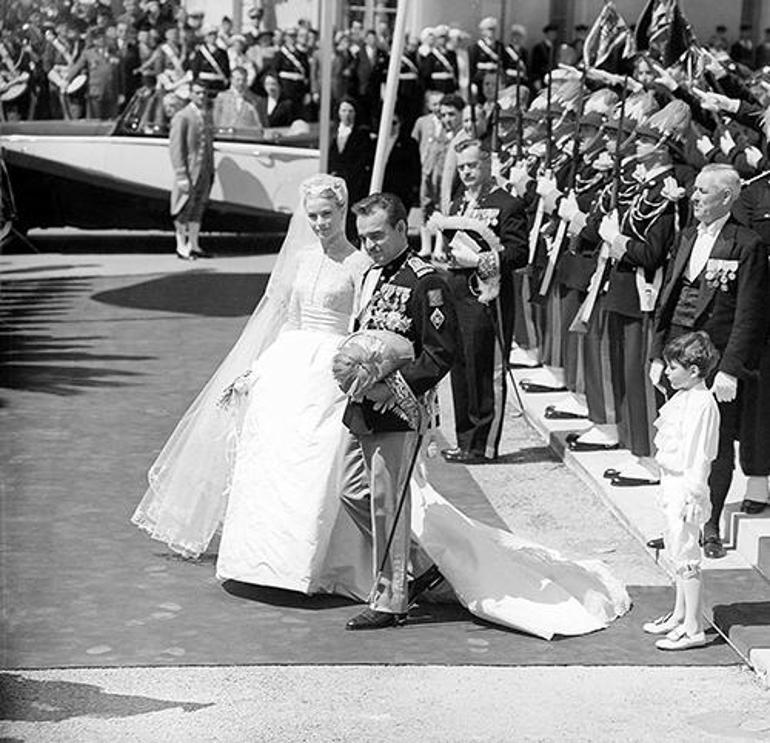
{"x": 210, "y": 76}
{"x": 291, "y": 75}
{"x": 511, "y": 72}
{"x": 486, "y": 65}
{"x": 408, "y": 76}
{"x": 443, "y": 75}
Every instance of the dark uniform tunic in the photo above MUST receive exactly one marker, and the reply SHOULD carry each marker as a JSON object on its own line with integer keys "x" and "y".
{"x": 479, "y": 394}
{"x": 439, "y": 71}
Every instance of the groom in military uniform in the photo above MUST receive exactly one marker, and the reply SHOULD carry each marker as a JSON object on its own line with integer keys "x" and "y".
{"x": 405, "y": 295}
{"x": 486, "y": 326}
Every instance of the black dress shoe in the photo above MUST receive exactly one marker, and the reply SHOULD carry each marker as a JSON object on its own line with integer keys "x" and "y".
{"x": 713, "y": 547}
{"x": 372, "y": 619}
{"x": 200, "y": 254}
{"x": 752, "y": 507}
{"x": 553, "y": 413}
{"x": 460, "y": 456}
{"x": 514, "y": 365}
{"x": 466, "y": 457}
{"x": 620, "y": 481}
{"x": 429, "y": 579}
{"x": 610, "y": 472}
{"x": 575, "y": 445}
{"x": 534, "y": 387}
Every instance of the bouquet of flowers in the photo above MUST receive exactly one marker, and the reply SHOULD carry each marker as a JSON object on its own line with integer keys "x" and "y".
{"x": 367, "y": 357}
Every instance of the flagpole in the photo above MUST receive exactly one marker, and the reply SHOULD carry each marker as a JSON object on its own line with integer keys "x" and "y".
{"x": 391, "y": 92}
{"x": 328, "y": 12}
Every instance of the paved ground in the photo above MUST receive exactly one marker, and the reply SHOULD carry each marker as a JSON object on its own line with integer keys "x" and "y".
{"x": 97, "y": 367}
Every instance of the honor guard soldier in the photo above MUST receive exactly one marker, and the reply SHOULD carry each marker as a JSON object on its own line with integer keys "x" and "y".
{"x": 484, "y": 56}
{"x": 293, "y": 68}
{"x": 405, "y": 295}
{"x": 639, "y": 237}
{"x": 439, "y": 70}
{"x": 211, "y": 65}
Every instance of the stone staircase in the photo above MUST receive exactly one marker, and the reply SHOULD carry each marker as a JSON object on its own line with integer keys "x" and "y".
{"x": 737, "y": 587}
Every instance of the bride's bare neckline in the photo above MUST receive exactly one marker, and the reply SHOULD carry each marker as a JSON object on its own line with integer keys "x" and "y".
{"x": 338, "y": 252}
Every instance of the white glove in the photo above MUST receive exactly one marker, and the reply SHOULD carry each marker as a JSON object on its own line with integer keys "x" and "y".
{"x": 577, "y": 223}
{"x": 568, "y": 207}
{"x": 725, "y": 387}
{"x": 609, "y": 228}
{"x": 656, "y": 372}
{"x": 726, "y": 142}
{"x": 671, "y": 189}
{"x": 618, "y": 247}
{"x": 549, "y": 201}
{"x": 603, "y": 161}
{"x": 545, "y": 185}
{"x": 519, "y": 178}
{"x": 753, "y": 156}
{"x": 462, "y": 255}
{"x": 704, "y": 145}
{"x": 667, "y": 79}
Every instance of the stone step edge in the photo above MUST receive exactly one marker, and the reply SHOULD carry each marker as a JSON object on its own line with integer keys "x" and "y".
{"x": 757, "y": 658}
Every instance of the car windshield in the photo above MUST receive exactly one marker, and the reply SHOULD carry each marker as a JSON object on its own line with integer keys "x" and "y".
{"x": 144, "y": 117}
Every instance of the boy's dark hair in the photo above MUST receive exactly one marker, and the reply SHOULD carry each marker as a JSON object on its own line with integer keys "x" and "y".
{"x": 693, "y": 349}
{"x": 387, "y": 202}
{"x": 453, "y": 100}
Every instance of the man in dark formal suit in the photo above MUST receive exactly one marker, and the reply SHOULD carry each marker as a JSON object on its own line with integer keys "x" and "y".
{"x": 403, "y": 294}
{"x": 370, "y": 70}
{"x": 762, "y": 57}
{"x": 127, "y": 52}
{"x": 543, "y": 56}
{"x": 482, "y": 285}
{"x": 718, "y": 282}
{"x": 742, "y": 51}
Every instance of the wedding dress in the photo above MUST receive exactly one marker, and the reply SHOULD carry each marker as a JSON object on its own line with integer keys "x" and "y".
{"x": 284, "y": 525}
{"x": 273, "y": 479}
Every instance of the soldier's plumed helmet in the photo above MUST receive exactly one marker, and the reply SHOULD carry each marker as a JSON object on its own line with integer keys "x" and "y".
{"x": 672, "y": 121}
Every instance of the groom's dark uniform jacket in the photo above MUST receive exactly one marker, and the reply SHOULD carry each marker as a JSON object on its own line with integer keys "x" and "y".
{"x": 411, "y": 299}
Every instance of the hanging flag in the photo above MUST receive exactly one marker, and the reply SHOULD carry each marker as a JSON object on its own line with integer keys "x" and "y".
{"x": 608, "y": 33}
{"x": 663, "y": 31}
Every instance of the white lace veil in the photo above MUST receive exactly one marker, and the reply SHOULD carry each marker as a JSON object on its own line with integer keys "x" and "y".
{"x": 190, "y": 480}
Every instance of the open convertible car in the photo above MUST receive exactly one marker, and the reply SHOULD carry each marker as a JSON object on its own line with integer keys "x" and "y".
{"x": 117, "y": 174}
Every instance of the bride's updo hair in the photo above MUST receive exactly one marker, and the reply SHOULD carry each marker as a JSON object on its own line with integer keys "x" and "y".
{"x": 323, "y": 186}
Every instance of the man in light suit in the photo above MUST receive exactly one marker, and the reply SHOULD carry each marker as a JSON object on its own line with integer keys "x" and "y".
{"x": 191, "y": 149}
{"x": 236, "y": 107}
{"x": 718, "y": 282}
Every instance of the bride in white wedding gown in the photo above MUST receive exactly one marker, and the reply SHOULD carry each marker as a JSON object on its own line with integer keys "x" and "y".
{"x": 268, "y": 468}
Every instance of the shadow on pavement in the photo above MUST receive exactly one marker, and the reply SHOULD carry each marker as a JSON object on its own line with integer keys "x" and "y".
{"x": 192, "y": 293}
{"x": 30, "y": 700}
{"x": 36, "y": 359}
{"x": 281, "y": 597}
